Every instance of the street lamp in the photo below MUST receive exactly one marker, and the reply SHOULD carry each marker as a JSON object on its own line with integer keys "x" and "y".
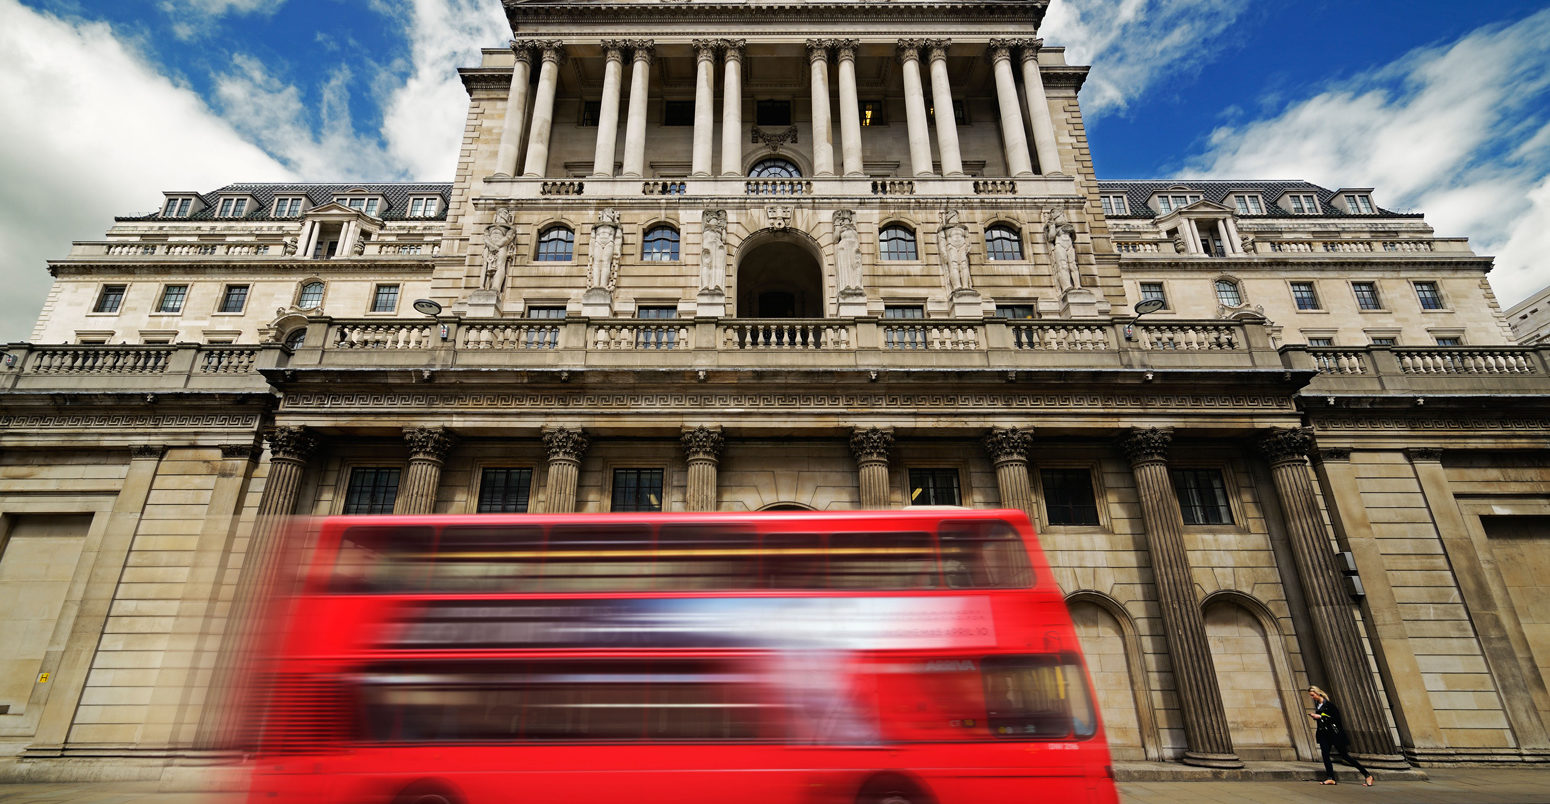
{"x": 1142, "y": 308}
{"x": 432, "y": 309}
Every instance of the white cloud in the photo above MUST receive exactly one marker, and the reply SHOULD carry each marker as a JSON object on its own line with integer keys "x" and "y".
{"x": 1131, "y": 44}
{"x": 91, "y": 131}
{"x": 1456, "y": 131}
{"x": 191, "y": 18}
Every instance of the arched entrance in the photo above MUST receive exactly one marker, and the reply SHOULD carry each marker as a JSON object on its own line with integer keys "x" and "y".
{"x": 779, "y": 276}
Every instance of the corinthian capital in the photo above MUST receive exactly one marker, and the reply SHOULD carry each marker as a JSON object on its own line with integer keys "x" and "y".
{"x": 871, "y": 444}
{"x": 613, "y": 49}
{"x": 565, "y": 443}
{"x": 1008, "y": 444}
{"x": 909, "y": 49}
{"x": 705, "y": 49}
{"x": 818, "y": 49}
{"x": 553, "y": 51}
{"x": 1147, "y": 445}
{"x": 938, "y": 48}
{"x": 1290, "y": 444}
{"x": 1000, "y": 49}
{"x": 845, "y": 48}
{"x": 523, "y": 49}
{"x": 644, "y": 49}
{"x": 702, "y": 443}
{"x": 291, "y": 443}
{"x": 429, "y": 443}
{"x": 1030, "y": 48}
{"x": 733, "y": 48}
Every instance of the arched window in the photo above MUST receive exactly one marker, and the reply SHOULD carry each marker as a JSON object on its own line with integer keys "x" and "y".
{"x": 1227, "y": 293}
{"x": 897, "y": 242}
{"x": 661, "y": 245}
{"x": 556, "y": 244}
{"x": 1002, "y": 243}
{"x": 296, "y": 339}
{"x": 774, "y": 168}
{"x": 311, "y": 296}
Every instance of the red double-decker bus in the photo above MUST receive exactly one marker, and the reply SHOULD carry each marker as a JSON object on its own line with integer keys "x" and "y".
{"x": 895, "y": 657}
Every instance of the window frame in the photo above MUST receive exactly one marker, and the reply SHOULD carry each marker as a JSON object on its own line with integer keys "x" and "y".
{"x": 1011, "y": 235}
{"x": 161, "y": 300}
{"x": 480, "y": 480}
{"x": 301, "y": 293}
{"x": 613, "y": 488}
{"x": 1093, "y": 489}
{"x": 773, "y": 104}
{"x": 541, "y": 255}
{"x": 879, "y": 108}
{"x": 754, "y": 169}
{"x": 884, "y": 250}
{"x": 1237, "y": 291}
{"x": 226, "y": 291}
{"x": 935, "y": 473}
{"x": 1357, "y": 288}
{"x": 1031, "y": 306}
{"x": 674, "y": 113}
{"x": 430, "y": 206}
{"x": 376, "y": 297}
{"x": 232, "y": 206}
{"x": 1297, "y": 201}
{"x": 1313, "y": 292}
{"x": 178, "y": 207}
{"x": 652, "y": 235}
{"x": 1227, "y": 502}
{"x": 348, "y": 485}
{"x": 1436, "y": 294}
{"x": 1162, "y": 291}
{"x": 299, "y": 202}
{"x": 1246, "y": 203}
{"x": 102, "y": 297}
{"x": 1359, "y": 204}
{"x": 1109, "y": 208}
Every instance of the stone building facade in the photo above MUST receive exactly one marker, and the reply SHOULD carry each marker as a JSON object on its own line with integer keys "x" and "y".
{"x": 791, "y": 255}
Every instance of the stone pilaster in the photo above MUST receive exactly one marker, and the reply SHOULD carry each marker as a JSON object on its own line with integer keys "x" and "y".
{"x": 1008, "y": 448}
{"x": 565, "y": 445}
{"x": 702, "y": 448}
{"x": 428, "y": 448}
{"x": 1209, "y": 743}
{"x": 871, "y": 446}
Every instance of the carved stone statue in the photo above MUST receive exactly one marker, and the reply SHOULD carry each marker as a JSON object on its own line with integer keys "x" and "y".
{"x": 713, "y": 250}
{"x": 1246, "y": 242}
{"x": 1061, "y": 236}
{"x": 289, "y": 246}
{"x": 603, "y": 255}
{"x": 847, "y": 252}
{"x": 360, "y": 246}
{"x": 498, "y": 237}
{"x": 955, "y": 251}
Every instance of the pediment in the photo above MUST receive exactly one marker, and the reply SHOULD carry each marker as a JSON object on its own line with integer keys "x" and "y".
{"x": 335, "y": 211}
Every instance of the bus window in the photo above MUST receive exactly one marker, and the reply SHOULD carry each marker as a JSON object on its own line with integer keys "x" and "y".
{"x": 694, "y": 557}
{"x": 901, "y": 560}
{"x": 1037, "y": 697}
{"x": 381, "y": 558}
{"x": 598, "y": 558}
{"x": 792, "y": 560}
{"x": 481, "y": 558}
{"x": 984, "y": 554}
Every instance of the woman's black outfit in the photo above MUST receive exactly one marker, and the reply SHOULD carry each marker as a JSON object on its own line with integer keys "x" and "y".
{"x": 1332, "y": 736}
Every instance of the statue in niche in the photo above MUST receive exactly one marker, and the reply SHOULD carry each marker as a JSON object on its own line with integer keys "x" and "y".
{"x": 498, "y": 237}
{"x": 955, "y": 251}
{"x": 847, "y": 252}
{"x": 1061, "y": 237}
{"x": 603, "y": 255}
{"x": 713, "y": 250}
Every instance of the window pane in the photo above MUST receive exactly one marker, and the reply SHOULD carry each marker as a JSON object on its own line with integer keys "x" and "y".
{"x": 1303, "y": 293}
{"x": 556, "y": 244}
{"x": 1366, "y": 295}
{"x": 172, "y": 299}
{"x": 1153, "y": 290}
{"x": 1068, "y": 497}
{"x": 311, "y": 295}
{"x": 546, "y": 312}
{"x": 637, "y": 490}
{"x": 1037, "y": 697}
{"x": 591, "y": 111}
{"x": 897, "y": 243}
{"x": 372, "y": 490}
{"x": 1014, "y": 311}
{"x": 386, "y": 299}
{"x": 661, "y": 245}
{"x": 1202, "y": 496}
{"x": 112, "y": 296}
{"x": 984, "y": 555}
{"x": 1445, "y": 341}
{"x": 1002, "y": 243}
{"x": 504, "y": 491}
{"x": 775, "y": 169}
{"x": 235, "y": 299}
{"x": 1227, "y": 293}
{"x": 934, "y": 487}
{"x": 656, "y": 311}
{"x": 1321, "y": 341}
{"x": 1427, "y": 293}
{"x": 904, "y": 311}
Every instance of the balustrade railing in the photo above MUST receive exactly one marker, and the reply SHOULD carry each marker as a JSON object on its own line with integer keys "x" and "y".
{"x": 228, "y": 360}
{"x": 562, "y": 188}
{"x": 1340, "y": 361}
{"x": 1407, "y": 246}
{"x": 519, "y": 335}
{"x": 789, "y": 335}
{"x": 995, "y": 187}
{"x": 664, "y": 188}
{"x": 616, "y": 336}
{"x": 931, "y": 337}
{"x": 1189, "y": 337}
{"x": 103, "y": 359}
{"x": 383, "y": 335}
{"x": 1454, "y": 360}
{"x": 893, "y": 187}
{"x": 779, "y": 187}
{"x": 1137, "y": 248}
{"x": 1057, "y": 337}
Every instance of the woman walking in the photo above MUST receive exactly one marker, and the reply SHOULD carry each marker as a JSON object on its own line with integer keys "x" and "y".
{"x": 1332, "y": 736}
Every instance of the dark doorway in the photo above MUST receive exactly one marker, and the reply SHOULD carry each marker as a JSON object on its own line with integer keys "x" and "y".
{"x": 779, "y": 278}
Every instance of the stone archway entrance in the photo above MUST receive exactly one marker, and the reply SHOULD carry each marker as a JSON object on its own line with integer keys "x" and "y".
{"x": 779, "y": 276}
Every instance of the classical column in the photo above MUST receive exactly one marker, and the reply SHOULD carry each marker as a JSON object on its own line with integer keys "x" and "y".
{"x": 1008, "y": 448}
{"x": 608, "y": 110}
{"x": 635, "y": 127}
{"x": 566, "y": 446}
{"x": 732, "y": 109}
{"x": 871, "y": 446}
{"x": 915, "y": 107}
{"x": 1234, "y": 242}
{"x": 1012, "y": 137}
{"x": 850, "y": 108}
{"x": 1038, "y": 109}
{"x": 543, "y": 110}
{"x": 702, "y": 447}
{"x": 704, "y": 106}
{"x": 942, "y": 102}
{"x": 1200, "y": 699}
{"x": 1334, "y": 627}
{"x": 428, "y": 448}
{"x": 1229, "y": 243}
{"x": 823, "y": 134}
{"x": 516, "y": 110}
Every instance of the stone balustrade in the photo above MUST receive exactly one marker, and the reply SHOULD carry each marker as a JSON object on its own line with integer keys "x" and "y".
{"x": 1421, "y": 370}
{"x": 139, "y": 369}
{"x": 376, "y": 249}
{"x": 615, "y": 188}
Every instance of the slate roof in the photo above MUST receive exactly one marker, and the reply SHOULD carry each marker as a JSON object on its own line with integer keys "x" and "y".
{"x": 397, "y": 195}
{"x": 1137, "y": 193}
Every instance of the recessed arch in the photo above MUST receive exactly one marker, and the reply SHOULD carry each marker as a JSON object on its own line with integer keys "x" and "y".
{"x": 1254, "y": 673}
{"x": 1116, "y": 665}
{"x": 786, "y": 505}
{"x": 780, "y": 275}
{"x": 803, "y": 165}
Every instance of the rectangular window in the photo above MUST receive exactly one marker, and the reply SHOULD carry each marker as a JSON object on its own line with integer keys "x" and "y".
{"x": 1115, "y": 205}
{"x": 172, "y": 297}
{"x": 637, "y": 490}
{"x": 287, "y": 207}
{"x": 1427, "y": 293}
{"x": 504, "y": 491}
{"x": 1366, "y": 295}
{"x": 1153, "y": 290}
{"x": 1164, "y": 205}
{"x": 109, "y": 299}
{"x": 546, "y": 312}
{"x": 1303, "y": 294}
{"x": 177, "y": 207}
{"x": 1321, "y": 341}
{"x": 373, "y": 489}
{"x": 656, "y": 311}
{"x": 385, "y": 300}
{"x": 1202, "y": 496}
{"x": 235, "y": 299}
{"x": 423, "y": 206}
{"x": 772, "y": 113}
{"x": 1383, "y": 341}
{"x": 366, "y": 205}
{"x": 1449, "y": 341}
{"x": 1068, "y": 497}
{"x": 1014, "y": 311}
{"x": 904, "y": 311}
{"x": 960, "y": 112}
{"x": 678, "y": 113}
{"x": 1304, "y": 204}
{"x": 872, "y": 113}
{"x": 591, "y": 112}
{"x": 1359, "y": 204}
{"x": 934, "y": 487}
{"x": 1248, "y": 205}
{"x": 233, "y": 207}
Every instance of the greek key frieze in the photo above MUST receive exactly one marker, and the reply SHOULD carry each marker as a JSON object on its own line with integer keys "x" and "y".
{"x": 127, "y": 422}
{"x": 763, "y": 400}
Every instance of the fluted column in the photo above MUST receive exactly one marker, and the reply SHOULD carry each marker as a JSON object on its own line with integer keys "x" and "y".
{"x": 543, "y": 110}
{"x": 1008, "y": 448}
{"x": 823, "y": 133}
{"x": 850, "y": 108}
{"x": 516, "y": 110}
{"x": 915, "y": 107}
{"x": 565, "y": 446}
{"x": 1334, "y": 627}
{"x": 635, "y": 127}
{"x": 704, "y": 106}
{"x": 942, "y": 101}
{"x": 732, "y": 109}
{"x": 608, "y": 109}
{"x": 702, "y": 448}
{"x": 1012, "y": 137}
{"x": 428, "y": 448}
{"x": 871, "y": 446}
{"x": 1038, "y": 109}
{"x": 1209, "y": 743}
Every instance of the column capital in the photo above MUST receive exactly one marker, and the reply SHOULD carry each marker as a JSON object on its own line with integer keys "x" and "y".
{"x": 248, "y": 451}
{"x": 1008, "y": 444}
{"x": 429, "y": 443}
{"x": 553, "y": 51}
{"x": 147, "y": 452}
{"x": 644, "y": 49}
{"x": 938, "y": 48}
{"x": 1001, "y": 49}
{"x": 1287, "y": 445}
{"x": 613, "y": 49}
{"x": 523, "y": 49}
{"x": 565, "y": 443}
{"x": 702, "y": 443}
{"x": 845, "y": 49}
{"x": 871, "y": 444}
{"x": 291, "y": 443}
{"x": 909, "y": 49}
{"x": 818, "y": 49}
{"x": 1030, "y": 48}
{"x": 733, "y": 48}
{"x": 1147, "y": 445}
{"x": 705, "y": 49}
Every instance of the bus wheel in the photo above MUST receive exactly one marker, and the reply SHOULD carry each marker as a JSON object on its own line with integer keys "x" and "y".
{"x": 427, "y": 792}
{"x": 892, "y": 789}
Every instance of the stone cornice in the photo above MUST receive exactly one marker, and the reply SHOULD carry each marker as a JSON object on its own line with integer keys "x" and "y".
{"x": 1064, "y": 77}
{"x": 1027, "y": 12}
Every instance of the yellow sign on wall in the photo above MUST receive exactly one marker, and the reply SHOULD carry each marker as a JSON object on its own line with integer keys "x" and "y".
{"x": 43, "y": 678}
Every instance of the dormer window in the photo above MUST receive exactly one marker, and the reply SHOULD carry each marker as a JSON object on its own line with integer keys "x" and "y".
{"x": 1248, "y": 204}
{"x": 424, "y": 206}
{"x": 288, "y": 206}
{"x": 360, "y": 204}
{"x": 1169, "y": 203}
{"x": 1303, "y": 204}
{"x": 177, "y": 207}
{"x": 1358, "y": 204}
{"x": 233, "y": 207}
{"x": 1115, "y": 205}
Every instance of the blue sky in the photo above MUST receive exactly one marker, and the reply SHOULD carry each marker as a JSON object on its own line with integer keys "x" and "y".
{"x": 1442, "y": 107}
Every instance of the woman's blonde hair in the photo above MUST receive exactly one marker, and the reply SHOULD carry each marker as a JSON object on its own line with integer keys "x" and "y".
{"x": 1319, "y": 692}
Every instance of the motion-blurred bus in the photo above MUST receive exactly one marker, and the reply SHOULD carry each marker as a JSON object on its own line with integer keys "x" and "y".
{"x": 895, "y": 657}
